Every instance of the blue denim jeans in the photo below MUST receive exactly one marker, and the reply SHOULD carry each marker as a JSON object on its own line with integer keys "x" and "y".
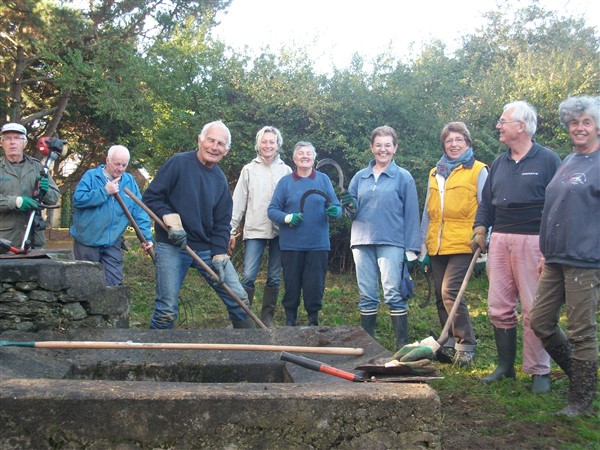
{"x": 172, "y": 265}
{"x": 253, "y": 257}
{"x": 373, "y": 261}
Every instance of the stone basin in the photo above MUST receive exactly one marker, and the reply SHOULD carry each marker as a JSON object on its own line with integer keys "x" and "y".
{"x": 217, "y": 399}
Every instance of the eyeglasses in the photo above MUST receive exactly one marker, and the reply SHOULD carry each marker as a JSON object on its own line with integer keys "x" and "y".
{"x": 503, "y": 122}
{"x": 13, "y": 138}
{"x": 458, "y": 140}
{"x": 387, "y": 146}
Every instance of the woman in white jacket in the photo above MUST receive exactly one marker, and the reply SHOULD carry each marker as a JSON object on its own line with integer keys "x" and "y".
{"x": 251, "y": 199}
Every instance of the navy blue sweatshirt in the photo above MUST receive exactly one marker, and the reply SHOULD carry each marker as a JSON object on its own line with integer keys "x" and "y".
{"x": 201, "y": 197}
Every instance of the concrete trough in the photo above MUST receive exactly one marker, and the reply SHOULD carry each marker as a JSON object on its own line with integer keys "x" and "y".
{"x": 189, "y": 399}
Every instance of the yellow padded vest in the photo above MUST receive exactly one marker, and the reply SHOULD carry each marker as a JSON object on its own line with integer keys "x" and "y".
{"x": 450, "y": 230}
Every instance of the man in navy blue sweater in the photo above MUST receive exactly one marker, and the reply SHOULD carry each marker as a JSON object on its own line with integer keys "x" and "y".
{"x": 191, "y": 195}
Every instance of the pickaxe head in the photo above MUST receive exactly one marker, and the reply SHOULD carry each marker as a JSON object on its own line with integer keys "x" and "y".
{"x": 332, "y": 162}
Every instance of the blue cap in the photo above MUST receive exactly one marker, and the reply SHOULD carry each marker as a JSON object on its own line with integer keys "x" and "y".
{"x": 14, "y": 127}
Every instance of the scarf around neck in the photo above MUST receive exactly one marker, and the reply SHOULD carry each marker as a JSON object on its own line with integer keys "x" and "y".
{"x": 446, "y": 165}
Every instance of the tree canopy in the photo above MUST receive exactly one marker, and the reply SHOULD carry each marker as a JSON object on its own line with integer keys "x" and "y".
{"x": 149, "y": 73}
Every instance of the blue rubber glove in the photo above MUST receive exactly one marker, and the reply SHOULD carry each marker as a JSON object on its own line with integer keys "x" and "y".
{"x": 294, "y": 219}
{"x": 26, "y": 204}
{"x": 332, "y": 211}
{"x": 219, "y": 263}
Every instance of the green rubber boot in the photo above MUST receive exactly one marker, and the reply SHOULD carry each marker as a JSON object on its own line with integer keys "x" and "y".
{"x": 400, "y": 324}
{"x": 368, "y": 323}
{"x": 506, "y": 345}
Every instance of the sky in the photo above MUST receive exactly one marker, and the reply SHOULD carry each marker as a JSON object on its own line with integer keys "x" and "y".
{"x": 334, "y": 30}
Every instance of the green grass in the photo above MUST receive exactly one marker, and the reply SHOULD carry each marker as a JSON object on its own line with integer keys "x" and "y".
{"x": 475, "y": 415}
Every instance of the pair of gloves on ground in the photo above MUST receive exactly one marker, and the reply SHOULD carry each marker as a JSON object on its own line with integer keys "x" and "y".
{"x": 23, "y": 203}
{"x": 414, "y": 359}
{"x": 178, "y": 237}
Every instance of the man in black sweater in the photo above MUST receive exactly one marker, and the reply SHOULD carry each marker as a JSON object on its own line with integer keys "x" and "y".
{"x": 191, "y": 195}
{"x": 511, "y": 203}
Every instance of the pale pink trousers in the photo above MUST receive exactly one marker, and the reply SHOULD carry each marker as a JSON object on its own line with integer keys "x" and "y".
{"x": 511, "y": 264}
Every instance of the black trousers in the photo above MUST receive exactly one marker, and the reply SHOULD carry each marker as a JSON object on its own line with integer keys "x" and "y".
{"x": 303, "y": 274}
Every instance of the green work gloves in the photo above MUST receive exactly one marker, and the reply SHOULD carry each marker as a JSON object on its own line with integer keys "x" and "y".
{"x": 26, "y": 204}
{"x": 219, "y": 263}
{"x": 424, "y": 367}
{"x": 44, "y": 186}
{"x": 425, "y": 263}
{"x": 176, "y": 233}
{"x": 414, "y": 353}
{"x": 332, "y": 211}
{"x": 410, "y": 259}
{"x": 348, "y": 201}
{"x": 293, "y": 220}
{"x": 478, "y": 239}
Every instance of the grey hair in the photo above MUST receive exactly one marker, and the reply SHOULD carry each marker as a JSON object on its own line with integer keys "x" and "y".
{"x": 524, "y": 112}
{"x": 575, "y": 107}
{"x": 304, "y": 144}
{"x": 116, "y": 148}
{"x": 220, "y": 124}
{"x": 268, "y": 129}
{"x": 384, "y": 130}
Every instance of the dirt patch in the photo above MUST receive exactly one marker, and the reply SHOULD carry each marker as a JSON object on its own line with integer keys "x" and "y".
{"x": 473, "y": 422}
{"x": 58, "y": 239}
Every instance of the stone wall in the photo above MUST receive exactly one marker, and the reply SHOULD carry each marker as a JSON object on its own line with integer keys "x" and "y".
{"x": 47, "y": 294}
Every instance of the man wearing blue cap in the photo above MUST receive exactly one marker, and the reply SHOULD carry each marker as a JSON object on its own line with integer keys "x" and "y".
{"x": 19, "y": 177}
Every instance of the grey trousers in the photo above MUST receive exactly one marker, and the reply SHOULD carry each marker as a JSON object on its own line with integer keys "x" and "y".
{"x": 109, "y": 256}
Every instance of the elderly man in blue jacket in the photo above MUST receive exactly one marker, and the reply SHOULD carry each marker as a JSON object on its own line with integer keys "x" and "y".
{"x": 99, "y": 220}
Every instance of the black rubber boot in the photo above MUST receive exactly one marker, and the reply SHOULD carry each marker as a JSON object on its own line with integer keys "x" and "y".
{"x": 368, "y": 322}
{"x": 400, "y": 324}
{"x": 313, "y": 319}
{"x": 506, "y": 345}
{"x": 269, "y": 304}
{"x": 562, "y": 356}
{"x": 291, "y": 316}
{"x": 582, "y": 389}
{"x": 250, "y": 293}
{"x": 248, "y": 323}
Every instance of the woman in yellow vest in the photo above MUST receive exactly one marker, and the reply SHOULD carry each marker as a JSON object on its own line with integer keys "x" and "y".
{"x": 453, "y": 194}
